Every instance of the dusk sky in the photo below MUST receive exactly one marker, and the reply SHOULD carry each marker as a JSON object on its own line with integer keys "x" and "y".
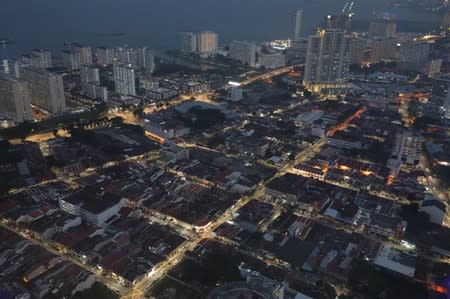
{"x": 47, "y": 23}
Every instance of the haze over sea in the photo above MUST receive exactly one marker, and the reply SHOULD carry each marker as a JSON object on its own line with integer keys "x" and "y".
{"x": 155, "y": 23}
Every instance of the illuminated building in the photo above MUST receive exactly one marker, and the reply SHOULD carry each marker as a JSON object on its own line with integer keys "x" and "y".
{"x": 327, "y": 62}
{"x": 208, "y": 41}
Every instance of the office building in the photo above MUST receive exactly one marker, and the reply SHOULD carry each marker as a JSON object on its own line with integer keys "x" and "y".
{"x": 145, "y": 59}
{"x": 245, "y": 52}
{"x": 124, "y": 79}
{"x": 105, "y": 56}
{"x": 188, "y": 42}
{"x": 46, "y": 89}
{"x": 208, "y": 42}
{"x": 327, "y": 62}
{"x": 272, "y": 61}
{"x": 72, "y": 59}
{"x": 297, "y": 25}
{"x": 15, "y": 101}
{"x": 386, "y": 29}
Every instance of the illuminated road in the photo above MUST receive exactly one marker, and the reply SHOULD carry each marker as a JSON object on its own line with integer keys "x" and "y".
{"x": 269, "y": 74}
{"x": 111, "y": 283}
{"x": 144, "y": 284}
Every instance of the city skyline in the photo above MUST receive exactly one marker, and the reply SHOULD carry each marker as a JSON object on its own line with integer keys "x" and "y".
{"x": 251, "y": 149}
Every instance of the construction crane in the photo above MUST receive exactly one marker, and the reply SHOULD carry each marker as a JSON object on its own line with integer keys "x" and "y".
{"x": 348, "y": 8}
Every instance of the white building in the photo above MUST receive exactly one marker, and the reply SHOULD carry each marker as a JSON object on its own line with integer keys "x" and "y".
{"x": 236, "y": 93}
{"x": 297, "y": 25}
{"x": 105, "y": 56}
{"x": 245, "y": 52}
{"x": 94, "y": 207}
{"x": 188, "y": 42}
{"x": 145, "y": 59}
{"x": 407, "y": 149}
{"x": 46, "y": 89}
{"x": 89, "y": 75}
{"x": 15, "y": 101}
{"x": 272, "y": 61}
{"x": 72, "y": 59}
{"x": 124, "y": 79}
{"x": 396, "y": 261}
{"x": 436, "y": 209}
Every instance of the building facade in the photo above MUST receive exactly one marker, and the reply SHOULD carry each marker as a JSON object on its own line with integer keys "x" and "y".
{"x": 208, "y": 41}
{"x": 15, "y": 99}
{"x": 124, "y": 79}
{"x": 245, "y": 52}
{"x": 46, "y": 89}
{"x": 327, "y": 62}
{"x": 188, "y": 42}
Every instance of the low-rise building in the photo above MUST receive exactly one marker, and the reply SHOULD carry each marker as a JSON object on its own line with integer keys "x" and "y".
{"x": 94, "y": 206}
{"x": 386, "y": 226}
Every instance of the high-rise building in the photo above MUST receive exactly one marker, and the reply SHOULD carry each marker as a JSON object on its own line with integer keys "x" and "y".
{"x": 124, "y": 79}
{"x": 45, "y": 58}
{"x": 245, "y": 52}
{"x": 90, "y": 83}
{"x": 297, "y": 25}
{"x": 272, "y": 61}
{"x": 413, "y": 56}
{"x": 327, "y": 61}
{"x": 440, "y": 87}
{"x": 85, "y": 54}
{"x": 11, "y": 68}
{"x": 382, "y": 49}
{"x": 387, "y": 29}
{"x": 447, "y": 106}
{"x": 145, "y": 59}
{"x": 341, "y": 21}
{"x": 105, "y": 56}
{"x": 15, "y": 99}
{"x": 46, "y": 89}
{"x": 72, "y": 59}
{"x": 208, "y": 41}
{"x": 89, "y": 74}
{"x": 434, "y": 67}
{"x": 407, "y": 149}
{"x": 188, "y": 42}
